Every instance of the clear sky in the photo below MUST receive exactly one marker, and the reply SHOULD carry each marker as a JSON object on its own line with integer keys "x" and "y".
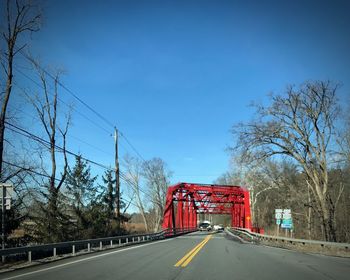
{"x": 174, "y": 76}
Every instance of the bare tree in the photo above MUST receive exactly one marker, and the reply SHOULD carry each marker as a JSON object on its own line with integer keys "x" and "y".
{"x": 299, "y": 125}
{"x": 157, "y": 179}
{"x": 46, "y": 106}
{"x": 20, "y": 17}
{"x": 133, "y": 179}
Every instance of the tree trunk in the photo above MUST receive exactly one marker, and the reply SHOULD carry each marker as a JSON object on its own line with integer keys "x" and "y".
{"x": 4, "y": 105}
{"x": 144, "y": 220}
{"x": 327, "y": 221}
{"x": 52, "y": 215}
{"x": 158, "y": 219}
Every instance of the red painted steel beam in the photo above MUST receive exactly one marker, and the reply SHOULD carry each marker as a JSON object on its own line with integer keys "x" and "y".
{"x": 201, "y": 198}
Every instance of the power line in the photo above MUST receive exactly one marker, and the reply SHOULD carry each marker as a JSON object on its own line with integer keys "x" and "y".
{"x": 29, "y": 170}
{"x": 82, "y": 102}
{"x": 48, "y": 176}
{"x": 132, "y": 146}
{"x": 32, "y": 136}
{"x": 60, "y": 100}
{"x": 66, "y": 89}
{"x": 68, "y": 136}
{"x": 81, "y": 114}
{"x": 46, "y": 143}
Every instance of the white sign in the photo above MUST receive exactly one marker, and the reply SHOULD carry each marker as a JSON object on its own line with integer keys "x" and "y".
{"x": 7, "y": 192}
{"x": 278, "y": 215}
{"x": 7, "y": 203}
{"x": 287, "y": 214}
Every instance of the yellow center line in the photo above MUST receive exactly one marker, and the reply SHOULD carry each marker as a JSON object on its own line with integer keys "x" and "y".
{"x": 185, "y": 260}
{"x": 189, "y": 253}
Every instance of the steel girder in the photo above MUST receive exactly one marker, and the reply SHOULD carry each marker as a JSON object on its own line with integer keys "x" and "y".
{"x": 185, "y": 200}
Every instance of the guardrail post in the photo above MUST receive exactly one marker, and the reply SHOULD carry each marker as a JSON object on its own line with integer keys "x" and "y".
{"x": 100, "y": 245}
{"x": 54, "y": 252}
{"x": 30, "y": 256}
{"x": 143, "y": 238}
{"x": 111, "y": 243}
{"x": 139, "y": 239}
{"x": 132, "y": 240}
{"x": 89, "y": 248}
{"x": 120, "y": 241}
{"x": 73, "y": 250}
{"x": 127, "y": 240}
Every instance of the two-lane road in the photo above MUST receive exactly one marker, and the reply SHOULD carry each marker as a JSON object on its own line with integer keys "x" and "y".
{"x": 193, "y": 256}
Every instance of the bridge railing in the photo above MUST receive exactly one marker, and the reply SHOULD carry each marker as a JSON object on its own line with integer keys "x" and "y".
{"x": 90, "y": 245}
{"x": 303, "y": 245}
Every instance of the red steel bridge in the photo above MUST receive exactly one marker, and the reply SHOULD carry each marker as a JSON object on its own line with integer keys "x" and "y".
{"x": 185, "y": 200}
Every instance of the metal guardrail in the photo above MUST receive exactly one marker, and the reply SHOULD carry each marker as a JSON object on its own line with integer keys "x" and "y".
{"x": 98, "y": 243}
{"x": 330, "y": 248}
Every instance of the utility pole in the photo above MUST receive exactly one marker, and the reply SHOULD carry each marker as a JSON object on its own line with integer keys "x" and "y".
{"x": 3, "y": 220}
{"x": 117, "y": 184}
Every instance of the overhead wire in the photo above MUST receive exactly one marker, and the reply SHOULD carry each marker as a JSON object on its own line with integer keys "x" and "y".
{"x": 49, "y": 177}
{"x": 45, "y": 142}
{"x": 66, "y": 88}
{"x": 68, "y": 136}
{"x": 29, "y": 170}
{"x": 31, "y": 60}
{"x": 30, "y": 135}
{"x": 63, "y": 102}
{"x": 79, "y": 113}
{"x": 85, "y": 104}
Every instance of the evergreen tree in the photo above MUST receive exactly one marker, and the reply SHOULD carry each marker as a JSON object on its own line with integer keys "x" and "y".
{"x": 82, "y": 193}
{"x": 109, "y": 204}
{"x": 109, "y": 194}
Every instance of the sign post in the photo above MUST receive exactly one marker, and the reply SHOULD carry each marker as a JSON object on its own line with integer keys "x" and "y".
{"x": 6, "y": 191}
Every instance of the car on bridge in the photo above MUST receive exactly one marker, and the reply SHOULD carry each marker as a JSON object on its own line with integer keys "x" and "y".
{"x": 219, "y": 227}
{"x": 205, "y": 226}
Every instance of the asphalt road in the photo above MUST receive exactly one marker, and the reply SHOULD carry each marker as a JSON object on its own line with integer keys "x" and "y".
{"x": 193, "y": 256}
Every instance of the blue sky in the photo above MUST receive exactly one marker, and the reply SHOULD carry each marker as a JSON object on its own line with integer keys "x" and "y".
{"x": 174, "y": 76}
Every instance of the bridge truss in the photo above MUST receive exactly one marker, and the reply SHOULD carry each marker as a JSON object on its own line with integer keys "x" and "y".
{"x": 185, "y": 200}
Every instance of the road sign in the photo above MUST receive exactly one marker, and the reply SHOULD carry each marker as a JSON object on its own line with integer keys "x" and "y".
{"x": 7, "y": 203}
{"x": 6, "y": 192}
{"x": 287, "y": 221}
{"x": 287, "y": 214}
{"x": 286, "y": 225}
{"x": 278, "y": 221}
{"x": 278, "y": 213}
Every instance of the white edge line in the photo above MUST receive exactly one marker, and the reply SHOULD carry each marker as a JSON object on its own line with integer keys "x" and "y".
{"x": 85, "y": 259}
